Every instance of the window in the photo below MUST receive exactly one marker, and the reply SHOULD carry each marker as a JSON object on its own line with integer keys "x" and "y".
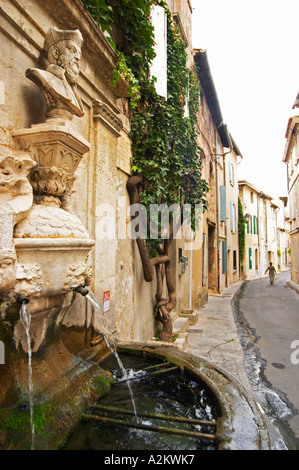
{"x": 235, "y": 260}
{"x": 251, "y": 197}
{"x": 159, "y": 65}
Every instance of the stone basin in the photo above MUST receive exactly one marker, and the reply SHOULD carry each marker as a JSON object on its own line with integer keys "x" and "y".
{"x": 51, "y": 266}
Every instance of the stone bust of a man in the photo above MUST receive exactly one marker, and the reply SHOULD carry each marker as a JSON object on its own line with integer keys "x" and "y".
{"x": 59, "y": 82}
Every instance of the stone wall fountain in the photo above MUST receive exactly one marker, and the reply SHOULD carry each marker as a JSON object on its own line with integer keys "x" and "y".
{"x": 44, "y": 252}
{"x": 47, "y": 382}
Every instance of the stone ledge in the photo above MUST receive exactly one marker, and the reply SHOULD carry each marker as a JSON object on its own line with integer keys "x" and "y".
{"x": 293, "y": 285}
{"x": 181, "y": 342}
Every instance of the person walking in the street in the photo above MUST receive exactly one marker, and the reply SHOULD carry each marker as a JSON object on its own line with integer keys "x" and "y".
{"x": 272, "y": 272}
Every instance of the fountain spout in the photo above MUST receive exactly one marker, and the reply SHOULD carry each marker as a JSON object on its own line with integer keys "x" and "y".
{"x": 82, "y": 290}
{"x": 23, "y": 299}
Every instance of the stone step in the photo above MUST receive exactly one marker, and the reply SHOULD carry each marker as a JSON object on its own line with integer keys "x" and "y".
{"x": 192, "y": 316}
{"x": 180, "y": 325}
{"x": 181, "y": 342}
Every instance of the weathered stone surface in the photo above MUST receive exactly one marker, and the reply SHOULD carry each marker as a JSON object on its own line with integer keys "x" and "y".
{"x": 15, "y": 199}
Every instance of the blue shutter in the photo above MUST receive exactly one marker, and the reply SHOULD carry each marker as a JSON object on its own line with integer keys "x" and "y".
{"x": 232, "y": 224}
{"x": 222, "y": 203}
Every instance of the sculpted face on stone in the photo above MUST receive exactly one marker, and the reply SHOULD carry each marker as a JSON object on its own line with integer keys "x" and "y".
{"x": 16, "y": 199}
{"x": 67, "y": 54}
{"x": 7, "y": 271}
{"x": 13, "y": 174}
{"x": 58, "y": 82}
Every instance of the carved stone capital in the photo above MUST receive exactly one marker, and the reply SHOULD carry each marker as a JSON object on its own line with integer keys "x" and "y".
{"x": 58, "y": 150}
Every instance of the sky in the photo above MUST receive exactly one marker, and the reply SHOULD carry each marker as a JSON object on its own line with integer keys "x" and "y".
{"x": 253, "y": 53}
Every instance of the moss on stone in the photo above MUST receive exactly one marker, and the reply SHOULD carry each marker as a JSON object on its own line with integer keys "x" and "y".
{"x": 102, "y": 385}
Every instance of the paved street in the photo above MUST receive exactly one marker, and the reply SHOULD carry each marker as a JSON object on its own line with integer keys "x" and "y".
{"x": 268, "y": 322}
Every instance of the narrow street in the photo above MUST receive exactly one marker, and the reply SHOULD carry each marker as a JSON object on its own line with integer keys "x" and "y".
{"x": 268, "y": 322}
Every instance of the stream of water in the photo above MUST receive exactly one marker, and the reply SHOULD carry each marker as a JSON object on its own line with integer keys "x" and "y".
{"x": 26, "y": 320}
{"x": 108, "y": 336}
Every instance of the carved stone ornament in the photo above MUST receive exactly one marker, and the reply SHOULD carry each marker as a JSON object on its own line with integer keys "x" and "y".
{"x": 58, "y": 150}
{"x": 15, "y": 201}
{"x": 104, "y": 113}
{"x": 77, "y": 275}
{"x": 29, "y": 279}
{"x": 50, "y": 238}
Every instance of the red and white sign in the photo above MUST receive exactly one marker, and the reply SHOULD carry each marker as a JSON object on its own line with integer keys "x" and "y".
{"x": 106, "y": 301}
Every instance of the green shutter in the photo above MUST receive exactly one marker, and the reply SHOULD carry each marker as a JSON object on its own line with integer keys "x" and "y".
{"x": 250, "y": 258}
{"x": 257, "y": 225}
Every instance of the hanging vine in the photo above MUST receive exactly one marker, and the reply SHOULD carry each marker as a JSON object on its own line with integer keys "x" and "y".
{"x": 166, "y": 166}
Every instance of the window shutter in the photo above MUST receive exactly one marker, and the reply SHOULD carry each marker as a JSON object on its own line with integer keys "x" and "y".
{"x": 250, "y": 258}
{"x": 231, "y": 173}
{"x": 159, "y": 65}
{"x": 235, "y": 216}
{"x": 232, "y": 224}
{"x": 257, "y": 225}
{"x": 222, "y": 203}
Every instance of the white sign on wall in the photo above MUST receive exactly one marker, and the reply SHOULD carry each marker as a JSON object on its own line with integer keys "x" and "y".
{"x": 106, "y": 301}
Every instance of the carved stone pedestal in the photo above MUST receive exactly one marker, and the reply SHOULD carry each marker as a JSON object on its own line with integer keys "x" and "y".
{"x": 58, "y": 148}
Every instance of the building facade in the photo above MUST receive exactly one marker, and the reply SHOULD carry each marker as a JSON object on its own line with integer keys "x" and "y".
{"x": 291, "y": 158}
{"x": 265, "y": 231}
{"x": 216, "y": 261}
